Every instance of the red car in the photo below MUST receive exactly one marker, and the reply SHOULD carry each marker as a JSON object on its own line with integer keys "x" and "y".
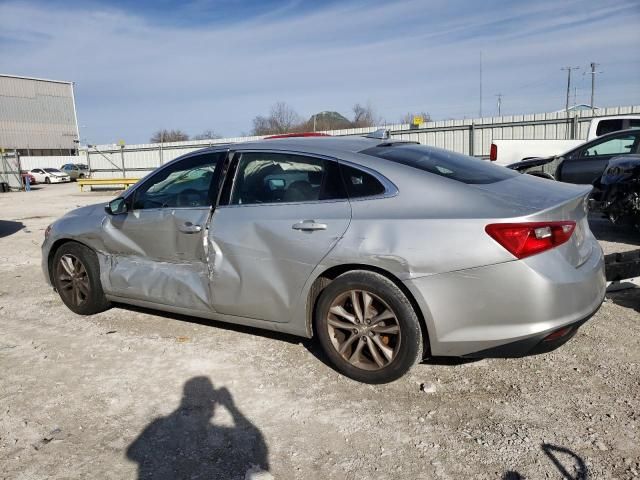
{"x": 32, "y": 179}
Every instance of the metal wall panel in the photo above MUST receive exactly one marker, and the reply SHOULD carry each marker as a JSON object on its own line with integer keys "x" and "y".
{"x": 37, "y": 114}
{"x": 106, "y": 160}
{"x": 55, "y": 161}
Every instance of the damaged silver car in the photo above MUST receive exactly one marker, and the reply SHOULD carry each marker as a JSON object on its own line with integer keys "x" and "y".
{"x": 386, "y": 251}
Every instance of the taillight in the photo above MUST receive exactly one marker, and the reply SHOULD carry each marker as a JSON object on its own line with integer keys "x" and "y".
{"x": 493, "y": 152}
{"x": 526, "y": 239}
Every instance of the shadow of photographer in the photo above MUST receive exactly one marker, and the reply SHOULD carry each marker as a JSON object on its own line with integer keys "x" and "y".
{"x": 185, "y": 444}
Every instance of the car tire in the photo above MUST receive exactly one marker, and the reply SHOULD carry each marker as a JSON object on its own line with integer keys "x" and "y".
{"x": 382, "y": 350}
{"x": 47, "y": 180}
{"x": 76, "y": 277}
{"x": 81, "y": 176}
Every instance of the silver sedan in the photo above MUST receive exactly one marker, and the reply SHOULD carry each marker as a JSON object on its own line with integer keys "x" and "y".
{"x": 386, "y": 251}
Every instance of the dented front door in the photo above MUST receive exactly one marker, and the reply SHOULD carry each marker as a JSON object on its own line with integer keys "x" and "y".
{"x": 286, "y": 212}
{"x": 157, "y": 248}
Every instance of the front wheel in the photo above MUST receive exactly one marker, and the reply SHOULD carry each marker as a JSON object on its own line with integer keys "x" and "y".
{"x": 368, "y": 328}
{"x": 76, "y": 276}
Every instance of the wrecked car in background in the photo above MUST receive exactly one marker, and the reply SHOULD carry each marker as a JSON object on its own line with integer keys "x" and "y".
{"x": 617, "y": 193}
{"x": 386, "y": 251}
{"x": 586, "y": 163}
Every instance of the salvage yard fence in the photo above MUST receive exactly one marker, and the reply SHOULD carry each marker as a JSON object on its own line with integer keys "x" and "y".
{"x": 468, "y": 136}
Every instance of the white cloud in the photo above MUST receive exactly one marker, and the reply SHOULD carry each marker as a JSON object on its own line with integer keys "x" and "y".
{"x": 134, "y": 76}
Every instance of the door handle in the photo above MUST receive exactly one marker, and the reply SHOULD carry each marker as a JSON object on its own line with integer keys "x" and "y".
{"x": 309, "y": 225}
{"x": 189, "y": 227}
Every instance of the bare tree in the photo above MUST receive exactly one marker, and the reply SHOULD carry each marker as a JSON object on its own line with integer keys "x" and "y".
{"x": 282, "y": 119}
{"x": 261, "y": 126}
{"x": 206, "y": 135}
{"x": 408, "y": 117}
{"x": 364, "y": 116}
{"x": 164, "y": 136}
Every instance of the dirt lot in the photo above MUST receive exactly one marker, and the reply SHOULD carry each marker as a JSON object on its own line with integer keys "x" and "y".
{"x": 132, "y": 393}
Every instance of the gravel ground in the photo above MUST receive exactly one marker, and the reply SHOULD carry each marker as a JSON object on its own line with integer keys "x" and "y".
{"x": 131, "y": 393}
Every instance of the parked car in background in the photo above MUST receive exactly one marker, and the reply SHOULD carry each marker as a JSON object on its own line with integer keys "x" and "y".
{"x": 385, "y": 250}
{"x": 76, "y": 170}
{"x": 506, "y": 152}
{"x": 25, "y": 175}
{"x": 586, "y": 163}
{"x": 49, "y": 175}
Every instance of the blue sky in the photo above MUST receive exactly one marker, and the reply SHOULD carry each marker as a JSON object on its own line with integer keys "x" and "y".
{"x": 198, "y": 65}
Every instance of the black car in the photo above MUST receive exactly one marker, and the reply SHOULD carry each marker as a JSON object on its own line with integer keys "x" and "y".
{"x": 586, "y": 163}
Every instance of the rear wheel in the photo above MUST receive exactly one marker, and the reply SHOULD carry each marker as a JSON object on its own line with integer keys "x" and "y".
{"x": 76, "y": 276}
{"x": 47, "y": 180}
{"x": 368, "y": 328}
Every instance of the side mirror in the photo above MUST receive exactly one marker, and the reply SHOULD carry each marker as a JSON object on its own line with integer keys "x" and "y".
{"x": 116, "y": 207}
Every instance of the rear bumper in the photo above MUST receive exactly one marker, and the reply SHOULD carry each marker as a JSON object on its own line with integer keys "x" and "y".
{"x": 509, "y": 306}
{"x": 534, "y": 345}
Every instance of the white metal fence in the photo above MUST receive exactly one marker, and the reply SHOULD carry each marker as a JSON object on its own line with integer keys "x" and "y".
{"x": 469, "y": 136}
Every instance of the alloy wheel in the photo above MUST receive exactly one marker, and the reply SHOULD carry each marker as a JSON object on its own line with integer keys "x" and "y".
{"x": 74, "y": 280}
{"x": 363, "y": 329}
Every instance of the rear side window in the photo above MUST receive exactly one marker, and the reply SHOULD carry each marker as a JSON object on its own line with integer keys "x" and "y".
{"x": 360, "y": 184}
{"x": 608, "y": 126}
{"x": 444, "y": 163}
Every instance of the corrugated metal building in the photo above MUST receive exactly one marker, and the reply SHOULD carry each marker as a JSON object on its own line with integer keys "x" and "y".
{"x": 37, "y": 116}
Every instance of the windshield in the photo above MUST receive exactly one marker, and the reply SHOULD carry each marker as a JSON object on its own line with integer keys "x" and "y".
{"x": 444, "y": 163}
{"x": 52, "y": 170}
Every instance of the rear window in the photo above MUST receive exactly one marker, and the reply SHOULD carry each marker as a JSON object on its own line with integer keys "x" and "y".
{"x": 444, "y": 163}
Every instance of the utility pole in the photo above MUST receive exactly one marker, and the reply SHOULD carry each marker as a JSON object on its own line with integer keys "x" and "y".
{"x": 499, "y": 95}
{"x": 568, "y": 69}
{"x": 593, "y": 85}
{"x": 480, "y": 83}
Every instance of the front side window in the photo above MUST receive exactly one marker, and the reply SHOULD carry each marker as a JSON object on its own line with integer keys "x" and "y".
{"x": 266, "y": 177}
{"x": 612, "y": 146}
{"x": 187, "y": 183}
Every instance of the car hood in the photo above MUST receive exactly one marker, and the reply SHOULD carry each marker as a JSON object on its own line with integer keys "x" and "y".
{"x": 96, "y": 209}
{"x": 532, "y": 162}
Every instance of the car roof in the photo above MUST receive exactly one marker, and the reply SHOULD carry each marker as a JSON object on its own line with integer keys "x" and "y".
{"x": 344, "y": 144}
{"x": 312, "y": 145}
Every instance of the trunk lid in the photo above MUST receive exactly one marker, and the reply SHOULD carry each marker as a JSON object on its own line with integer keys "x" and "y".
{"x": 547, "y": 200}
